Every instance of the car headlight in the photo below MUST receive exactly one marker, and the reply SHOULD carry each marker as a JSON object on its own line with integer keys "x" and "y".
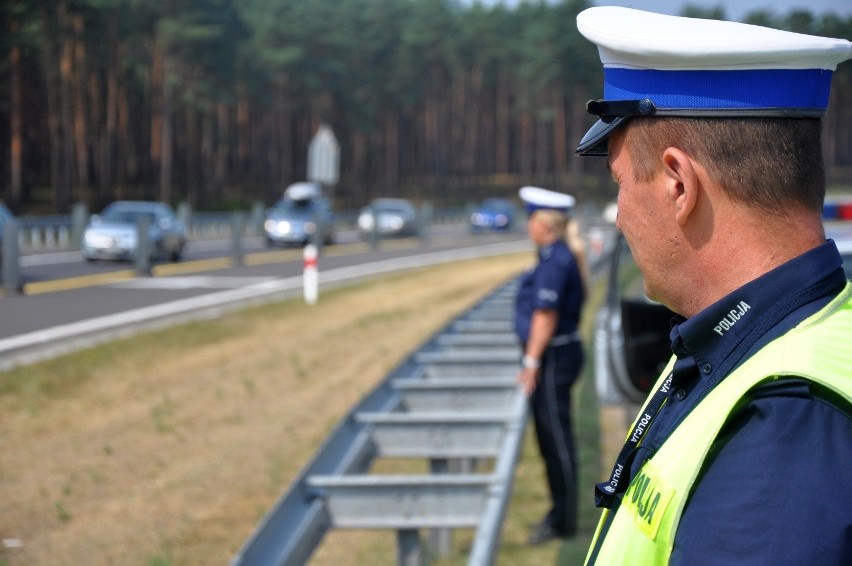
{"x": 366, "y": 222}
{"x": 277, "y": 226}
{"x": 395, "y": 222}
{"x": 310, "y": 228}
{"x": 501, "y": 220}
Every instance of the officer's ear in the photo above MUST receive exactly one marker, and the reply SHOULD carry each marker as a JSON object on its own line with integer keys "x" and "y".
{"x": 682, "y": 178}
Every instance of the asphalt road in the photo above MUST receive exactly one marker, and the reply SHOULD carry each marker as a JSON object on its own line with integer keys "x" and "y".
{"x": 68, "y": 304}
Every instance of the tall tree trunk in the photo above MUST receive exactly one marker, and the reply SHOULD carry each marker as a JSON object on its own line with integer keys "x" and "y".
{"x": 472, "y": 115}
{"x": 156, "y": 86}
{"x": 525, "y": 145}
{"x": 243, "y": 128}
{"x": 391, "y": 173}
{"x": 542, "y": 140}
{"x": 108, "y": 139}
{"x": 285, "y": 132}
{"x": 167, "y": 111}
{"x": 50, "y": 59}
{"x": 66, "y": 62}
{"x": 127, "y": 164}
{"x": 166, "y": 131}
{"x": 578, "y": 119}
{"x": 207, "y": 171}
{"x": 359, "y": 167}
{"x": 456, "y": 128}
{"x": 222, "y": 150}
{"x": 191, "y": 150}
{"x": 502, "y": 134}
{"x": 560, "y": 151}
{"x": 15, "y": 121}
{"x": 78, "y": 94}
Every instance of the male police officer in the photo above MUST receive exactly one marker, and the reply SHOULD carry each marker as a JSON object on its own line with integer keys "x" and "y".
{"x": 741, "y": 454}
{"x": 547, "y": 312}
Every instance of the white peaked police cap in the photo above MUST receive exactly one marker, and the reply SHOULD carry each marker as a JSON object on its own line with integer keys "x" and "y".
{"x": 659, "y": 65}
{"x": 536, "y": 198}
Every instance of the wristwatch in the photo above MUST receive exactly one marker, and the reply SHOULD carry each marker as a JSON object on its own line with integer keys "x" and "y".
{"x": 529, "y": 362}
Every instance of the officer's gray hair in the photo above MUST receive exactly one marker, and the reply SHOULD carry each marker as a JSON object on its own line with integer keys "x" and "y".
{"x": 773, "y": 164}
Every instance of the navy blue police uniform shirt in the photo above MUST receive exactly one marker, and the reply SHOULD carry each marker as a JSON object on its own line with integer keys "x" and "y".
{"x": 554, "y": 283}
{"x": 778, "y": 473}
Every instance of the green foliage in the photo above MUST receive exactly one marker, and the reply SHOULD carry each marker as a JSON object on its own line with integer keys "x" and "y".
{"x": 414, "y": 89}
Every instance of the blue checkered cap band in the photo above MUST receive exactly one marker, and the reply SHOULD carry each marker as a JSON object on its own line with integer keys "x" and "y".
{"x": 536, "y": 198}
{"x": 662, "y": 65}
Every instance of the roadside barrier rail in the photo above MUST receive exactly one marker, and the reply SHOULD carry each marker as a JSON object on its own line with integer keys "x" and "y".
{"x": 55, "y": 232}
{"x": 455, "y": 403}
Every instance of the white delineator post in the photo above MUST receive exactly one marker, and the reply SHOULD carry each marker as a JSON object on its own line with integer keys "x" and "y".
{"x": 311, "y": 277}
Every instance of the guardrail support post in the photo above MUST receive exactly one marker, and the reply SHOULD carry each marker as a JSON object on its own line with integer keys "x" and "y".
{"x": 424, "y": 218}
{"x": 142, "y": 255}
{"x": 238, "y": 224}
{"x": 184, "y": 214}
{"x": 318, "y": 237}
{"x": 79, "y": 217}
{"x": 9, "y": 265}
{"x": 257, "y": 216}
{"x": 440, "y": 540}
{"x": 410, "y": 552}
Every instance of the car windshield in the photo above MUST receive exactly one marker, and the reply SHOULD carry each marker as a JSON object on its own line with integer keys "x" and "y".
{"x": 495, "y": 204}
{"x": 295, "y": 208}
{"x": 384, "y": 206}
{"x": 128, "y": 216}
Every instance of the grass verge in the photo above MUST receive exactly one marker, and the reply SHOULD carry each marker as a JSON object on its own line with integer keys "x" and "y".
{"x": 167, "y": 448}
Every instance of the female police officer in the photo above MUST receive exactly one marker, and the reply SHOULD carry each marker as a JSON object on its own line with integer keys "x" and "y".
{"x": 547, "y": 313}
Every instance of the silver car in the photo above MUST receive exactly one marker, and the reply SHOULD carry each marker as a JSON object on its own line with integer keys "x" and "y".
{"x": 113, "y": 234}
{"x": 386, "y": 217}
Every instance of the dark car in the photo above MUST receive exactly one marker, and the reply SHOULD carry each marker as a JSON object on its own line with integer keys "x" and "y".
{"x": 113, "y": 234}
{"x": 302, "y": 214}
{"x": 387, "y": 217}
{"x": 493, "y": 214}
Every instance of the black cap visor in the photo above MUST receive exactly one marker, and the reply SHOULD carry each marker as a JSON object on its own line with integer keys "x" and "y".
{"x": 596, "y": 141}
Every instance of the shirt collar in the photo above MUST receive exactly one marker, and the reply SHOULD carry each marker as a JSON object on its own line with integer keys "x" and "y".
{"x": 713, "y": 334}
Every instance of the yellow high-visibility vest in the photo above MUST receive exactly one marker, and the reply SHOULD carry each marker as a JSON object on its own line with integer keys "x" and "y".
{"x": 644, "y": 526}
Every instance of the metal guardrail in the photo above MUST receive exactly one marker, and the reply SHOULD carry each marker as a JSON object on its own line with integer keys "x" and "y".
{"x": 63, "y": 232}
{"x": 454, "y": 402}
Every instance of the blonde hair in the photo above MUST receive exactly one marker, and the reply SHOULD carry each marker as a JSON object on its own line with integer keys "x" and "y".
{"x": 578, "y": 247}
{"x": 554, "y": 219}
{"x": 560, "y": 223}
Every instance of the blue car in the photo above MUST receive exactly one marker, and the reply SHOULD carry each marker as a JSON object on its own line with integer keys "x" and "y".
{"x": 301, "y": 215}
{"x": 493, "y": 214}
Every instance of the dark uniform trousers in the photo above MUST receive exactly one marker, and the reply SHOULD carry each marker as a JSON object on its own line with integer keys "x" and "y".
{"x": 551, "y": 408}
